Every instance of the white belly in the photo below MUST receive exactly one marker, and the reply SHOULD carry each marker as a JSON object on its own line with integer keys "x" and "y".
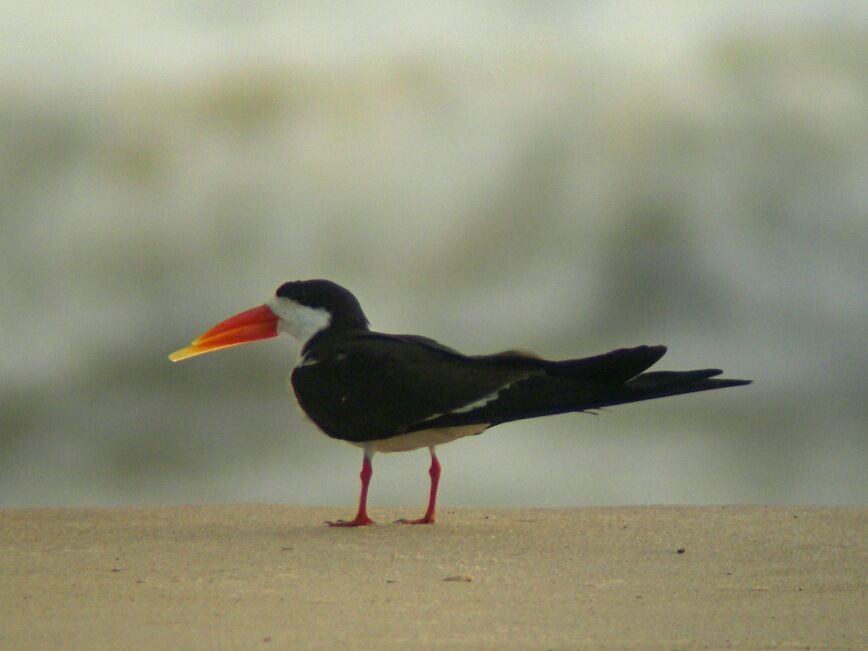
{"x": 424, "y": 438}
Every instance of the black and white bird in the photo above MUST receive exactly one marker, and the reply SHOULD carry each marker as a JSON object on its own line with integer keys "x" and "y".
{"x": 392, "y": 393}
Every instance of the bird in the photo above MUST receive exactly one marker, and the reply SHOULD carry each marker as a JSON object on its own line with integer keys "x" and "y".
{"x": 398, "y": 392}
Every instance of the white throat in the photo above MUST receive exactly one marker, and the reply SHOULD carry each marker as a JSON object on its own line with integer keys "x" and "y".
{"x": 297, "y": 320}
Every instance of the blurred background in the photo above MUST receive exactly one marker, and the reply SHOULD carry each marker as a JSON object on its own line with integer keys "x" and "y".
{"x": 565, "y": 177}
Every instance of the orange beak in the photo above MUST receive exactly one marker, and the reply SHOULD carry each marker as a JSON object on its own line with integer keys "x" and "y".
{"x": 251, "y": 325}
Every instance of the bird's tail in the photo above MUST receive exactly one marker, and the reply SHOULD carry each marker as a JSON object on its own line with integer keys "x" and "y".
{"x": 613, "y": 378}
{"x": 659, "y": 384}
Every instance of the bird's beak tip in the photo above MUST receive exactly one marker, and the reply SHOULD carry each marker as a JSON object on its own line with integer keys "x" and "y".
{"x": 182, "y": 354}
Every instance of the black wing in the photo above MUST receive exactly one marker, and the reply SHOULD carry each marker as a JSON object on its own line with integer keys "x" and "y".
{"x": 373, "y": 386}
{"x": 583, "y": 384}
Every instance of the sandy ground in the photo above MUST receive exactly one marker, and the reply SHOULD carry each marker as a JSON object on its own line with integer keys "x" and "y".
{"x": 273, "y": 577}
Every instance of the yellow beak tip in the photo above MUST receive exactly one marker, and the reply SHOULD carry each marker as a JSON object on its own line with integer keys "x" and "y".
{"x": 184, "y": 353}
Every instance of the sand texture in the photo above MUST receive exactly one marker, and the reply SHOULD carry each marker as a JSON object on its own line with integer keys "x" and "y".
{"x": 273, "y": 577}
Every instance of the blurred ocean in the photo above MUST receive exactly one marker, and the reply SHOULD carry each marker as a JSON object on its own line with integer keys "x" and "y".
{"x": 565, "y": 177}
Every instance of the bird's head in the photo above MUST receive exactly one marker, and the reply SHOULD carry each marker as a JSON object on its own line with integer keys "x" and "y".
{"x": 301, "y": 308}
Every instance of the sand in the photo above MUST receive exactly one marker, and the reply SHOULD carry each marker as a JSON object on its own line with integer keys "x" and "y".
{"x": 273, "y": 577}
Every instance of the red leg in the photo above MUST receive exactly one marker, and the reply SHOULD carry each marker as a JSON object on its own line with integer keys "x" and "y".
{"x": 434, "y": 472}
{"x": 361, "y": 518}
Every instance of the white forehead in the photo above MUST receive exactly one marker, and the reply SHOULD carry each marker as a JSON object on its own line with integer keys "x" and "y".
{"x": 298, "y": 320}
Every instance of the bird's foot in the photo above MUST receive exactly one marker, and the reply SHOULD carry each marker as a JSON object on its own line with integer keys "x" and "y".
{"x": 358, "y": 521}
{"x": 428, "y": 519}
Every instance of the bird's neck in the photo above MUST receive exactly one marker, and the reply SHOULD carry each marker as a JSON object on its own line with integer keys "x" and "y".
{"x": 329, "y": 335}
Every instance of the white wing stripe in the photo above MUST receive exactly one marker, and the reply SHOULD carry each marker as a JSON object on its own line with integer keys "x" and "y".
{"x": 476, "y": 404}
